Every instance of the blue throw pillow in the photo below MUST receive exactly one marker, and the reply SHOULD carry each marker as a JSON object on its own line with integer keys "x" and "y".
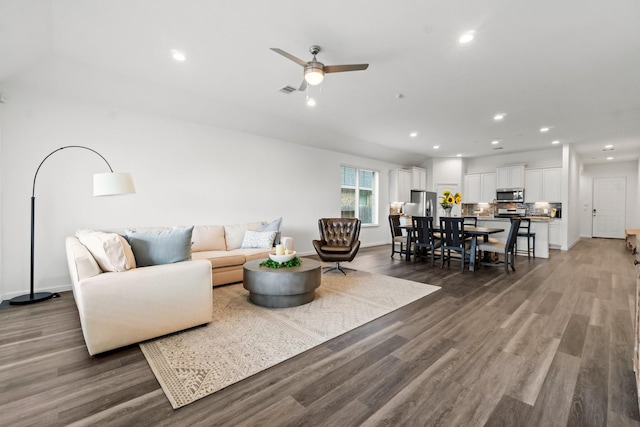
{"x": 160, "y": 247}
{"x": 273, "y": 226}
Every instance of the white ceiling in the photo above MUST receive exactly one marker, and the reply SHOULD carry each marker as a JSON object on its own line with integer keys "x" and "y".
{"x": 573, "y": 65}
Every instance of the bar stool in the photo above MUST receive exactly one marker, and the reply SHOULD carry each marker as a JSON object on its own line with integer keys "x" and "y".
{"x": 525, "y": 231}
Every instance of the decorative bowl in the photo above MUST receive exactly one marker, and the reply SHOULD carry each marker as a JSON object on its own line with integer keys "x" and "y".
{"x": 282, "y": 258}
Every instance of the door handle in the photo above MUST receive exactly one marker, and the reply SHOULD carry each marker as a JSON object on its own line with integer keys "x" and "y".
{"x": 594, "y": 212}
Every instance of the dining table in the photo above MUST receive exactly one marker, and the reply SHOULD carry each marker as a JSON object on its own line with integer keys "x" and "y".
{"x": 473, "y": 232}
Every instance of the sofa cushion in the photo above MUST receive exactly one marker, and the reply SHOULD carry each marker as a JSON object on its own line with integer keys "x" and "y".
{"x": 161, "y": 247}
{"x": 221, "y": 258}
{"x": 258, "y": 239}
{"x": 110, "y": 250}
{"x": 234, "y": 234}
{"x": 208, "y": 238}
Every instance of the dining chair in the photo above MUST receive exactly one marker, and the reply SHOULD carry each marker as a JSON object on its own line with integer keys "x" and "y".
{"x": 453, "y": 239}
{"x": 508, "y": 249}
{"x": 396, "y": 235}
{"x": 424, "y": 242}
{"x": 471, "y": 221}
{"x": 525, "y": 231}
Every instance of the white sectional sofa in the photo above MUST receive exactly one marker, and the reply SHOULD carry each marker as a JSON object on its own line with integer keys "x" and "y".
{"x": 120, "y": 303}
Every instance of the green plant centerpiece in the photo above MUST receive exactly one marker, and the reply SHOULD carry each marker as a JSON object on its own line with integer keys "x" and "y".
{"x": 273, "y": 264}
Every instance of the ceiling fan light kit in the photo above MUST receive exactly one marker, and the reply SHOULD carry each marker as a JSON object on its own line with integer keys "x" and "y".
{"x": 315, "y": 70}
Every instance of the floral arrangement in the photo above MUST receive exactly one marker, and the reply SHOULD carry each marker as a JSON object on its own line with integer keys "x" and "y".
{"x": 272, "y": 264}
{"x": 448, "y": 199}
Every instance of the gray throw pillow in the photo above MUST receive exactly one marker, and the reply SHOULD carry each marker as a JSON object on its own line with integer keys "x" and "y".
{"x": 272, "y": 226}
{"x": 160, "y": 247}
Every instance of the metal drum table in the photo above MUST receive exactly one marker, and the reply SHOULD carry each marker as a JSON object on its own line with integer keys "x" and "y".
{"x": 281, "y": 287}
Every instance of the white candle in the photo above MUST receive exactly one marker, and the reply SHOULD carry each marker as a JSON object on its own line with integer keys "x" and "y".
{"x": 279, "y": 249}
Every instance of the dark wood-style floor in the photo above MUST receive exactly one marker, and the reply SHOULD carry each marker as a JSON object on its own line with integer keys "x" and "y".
{"x": 548, "y": 345}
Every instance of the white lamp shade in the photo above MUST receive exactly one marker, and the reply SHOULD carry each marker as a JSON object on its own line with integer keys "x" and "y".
{"x": 112, "y": 184}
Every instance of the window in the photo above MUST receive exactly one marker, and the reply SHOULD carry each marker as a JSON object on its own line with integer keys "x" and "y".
{"x": 359, "y": 194}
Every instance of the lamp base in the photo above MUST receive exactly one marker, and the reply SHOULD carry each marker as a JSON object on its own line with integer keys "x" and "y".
{"x": 28, "y": 299}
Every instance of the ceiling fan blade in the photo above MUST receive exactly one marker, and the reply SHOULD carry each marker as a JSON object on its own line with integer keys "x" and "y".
{"x": 288, "y": 55}
{"x": 303, "y": 86}
{"x": 340, "y": 68}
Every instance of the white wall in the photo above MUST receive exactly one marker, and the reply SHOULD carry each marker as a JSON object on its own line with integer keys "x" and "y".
{"x": 571, "y": 207}
{"x": 549, "y": 158}
{"x": 629, "y": 170}
{"x": 185, "y": 173}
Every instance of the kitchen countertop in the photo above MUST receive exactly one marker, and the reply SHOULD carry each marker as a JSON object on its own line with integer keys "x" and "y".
{"x": 532, "y": 218}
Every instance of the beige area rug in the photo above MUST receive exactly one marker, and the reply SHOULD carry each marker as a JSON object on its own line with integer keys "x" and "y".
{"x": 244, "y": 339}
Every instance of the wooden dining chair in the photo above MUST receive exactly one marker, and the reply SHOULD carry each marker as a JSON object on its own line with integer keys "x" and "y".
{"x": 525, "y": 231}
{"x": 508, "y": 249}
{"x": 396, "y": 236}
{"x": 453, "y": 239}
{"x": 471, "y": 221}
{"x": 424, "y": 242}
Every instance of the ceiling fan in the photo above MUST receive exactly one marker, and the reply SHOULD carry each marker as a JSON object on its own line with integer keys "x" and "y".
{"x": 315, "y": 70}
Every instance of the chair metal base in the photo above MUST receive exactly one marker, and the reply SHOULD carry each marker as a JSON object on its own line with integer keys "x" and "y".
{"x": 335, "y": 267}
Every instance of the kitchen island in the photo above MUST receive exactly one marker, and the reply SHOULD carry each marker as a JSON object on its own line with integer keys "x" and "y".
{"x": 539, "y": 225}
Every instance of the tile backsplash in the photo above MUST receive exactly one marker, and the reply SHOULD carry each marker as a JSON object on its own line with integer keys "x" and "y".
{"x": 491, "y": 209}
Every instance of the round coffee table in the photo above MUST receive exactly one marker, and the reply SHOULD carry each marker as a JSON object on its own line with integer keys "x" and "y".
{"x": 281, "y": 287}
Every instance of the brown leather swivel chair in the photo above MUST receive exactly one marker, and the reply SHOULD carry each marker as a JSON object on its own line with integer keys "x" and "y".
{"x": 338, "y": 240}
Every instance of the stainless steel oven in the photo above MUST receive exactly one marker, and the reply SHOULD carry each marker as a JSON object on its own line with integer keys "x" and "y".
{"x": 510, "y": 195}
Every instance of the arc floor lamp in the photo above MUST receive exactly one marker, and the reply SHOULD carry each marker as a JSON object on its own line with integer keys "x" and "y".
{"x": 104, "y": 184}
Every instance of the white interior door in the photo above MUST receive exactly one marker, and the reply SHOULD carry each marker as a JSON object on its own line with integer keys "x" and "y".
{"x": 457, "y": 209}
{"x": 609, "y": 201}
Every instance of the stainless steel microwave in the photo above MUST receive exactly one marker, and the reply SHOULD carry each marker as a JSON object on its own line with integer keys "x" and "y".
{"x": 510, "y": 195}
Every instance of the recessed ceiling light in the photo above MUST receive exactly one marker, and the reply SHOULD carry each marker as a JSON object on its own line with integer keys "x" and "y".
{"x": 544, "y": 129}
{"x": 609, "y": 158}
{"x": 499, "y": 116}
{"x": 467, "y": 37}
{"x": 435, "y": 147}
{"x": 177, "y": 55}
{"x": 495, "y": 141}
{"x": 555, "y": 142}
{"x": 458, "y": 155}
{"x": 608, "y": 146}
{"x": 311, "y": 102}
{"x": 413, "y": 134}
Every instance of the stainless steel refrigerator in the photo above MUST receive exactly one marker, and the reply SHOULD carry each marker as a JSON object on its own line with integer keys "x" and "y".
{"x": 423, "y": 203}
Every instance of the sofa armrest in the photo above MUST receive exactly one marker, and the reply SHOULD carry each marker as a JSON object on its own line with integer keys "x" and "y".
{"x": 122, "y": 308}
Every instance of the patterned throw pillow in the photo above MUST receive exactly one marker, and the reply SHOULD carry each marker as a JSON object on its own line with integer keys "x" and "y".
{"x": 258, "y": 239}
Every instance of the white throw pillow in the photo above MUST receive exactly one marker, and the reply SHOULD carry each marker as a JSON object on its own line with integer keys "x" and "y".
{"x": 234, "y": 234}
{"x": 258, "y": 239}
{"x": 110, "y": 250}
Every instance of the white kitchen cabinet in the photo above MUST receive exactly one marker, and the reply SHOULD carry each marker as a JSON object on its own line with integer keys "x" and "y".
{"x": 542, "y": 185}
{"x": 533, "y": 186}
{"x": 488, "y": 185}
{"x": 554, "y": 234}
{"x": 479, "y": 188}
{"x": 418, "y": 178}
{"x": 471, "y": 191}
{"x": 510, "y": 176}
{"x": 399, "y": 185}
{"x": 551, "y": 180}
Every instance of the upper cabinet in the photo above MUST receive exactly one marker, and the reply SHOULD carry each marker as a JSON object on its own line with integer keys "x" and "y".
{"x": 510, "y": 176}
{"x": 479, "y": 188}
{"x": 418, "y": 179}
{"x": 542, "y": 185}
{"x": 400, "y": 181}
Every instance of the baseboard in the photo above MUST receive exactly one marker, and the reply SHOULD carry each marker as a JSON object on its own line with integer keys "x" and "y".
{"x": 60, "y": 288}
